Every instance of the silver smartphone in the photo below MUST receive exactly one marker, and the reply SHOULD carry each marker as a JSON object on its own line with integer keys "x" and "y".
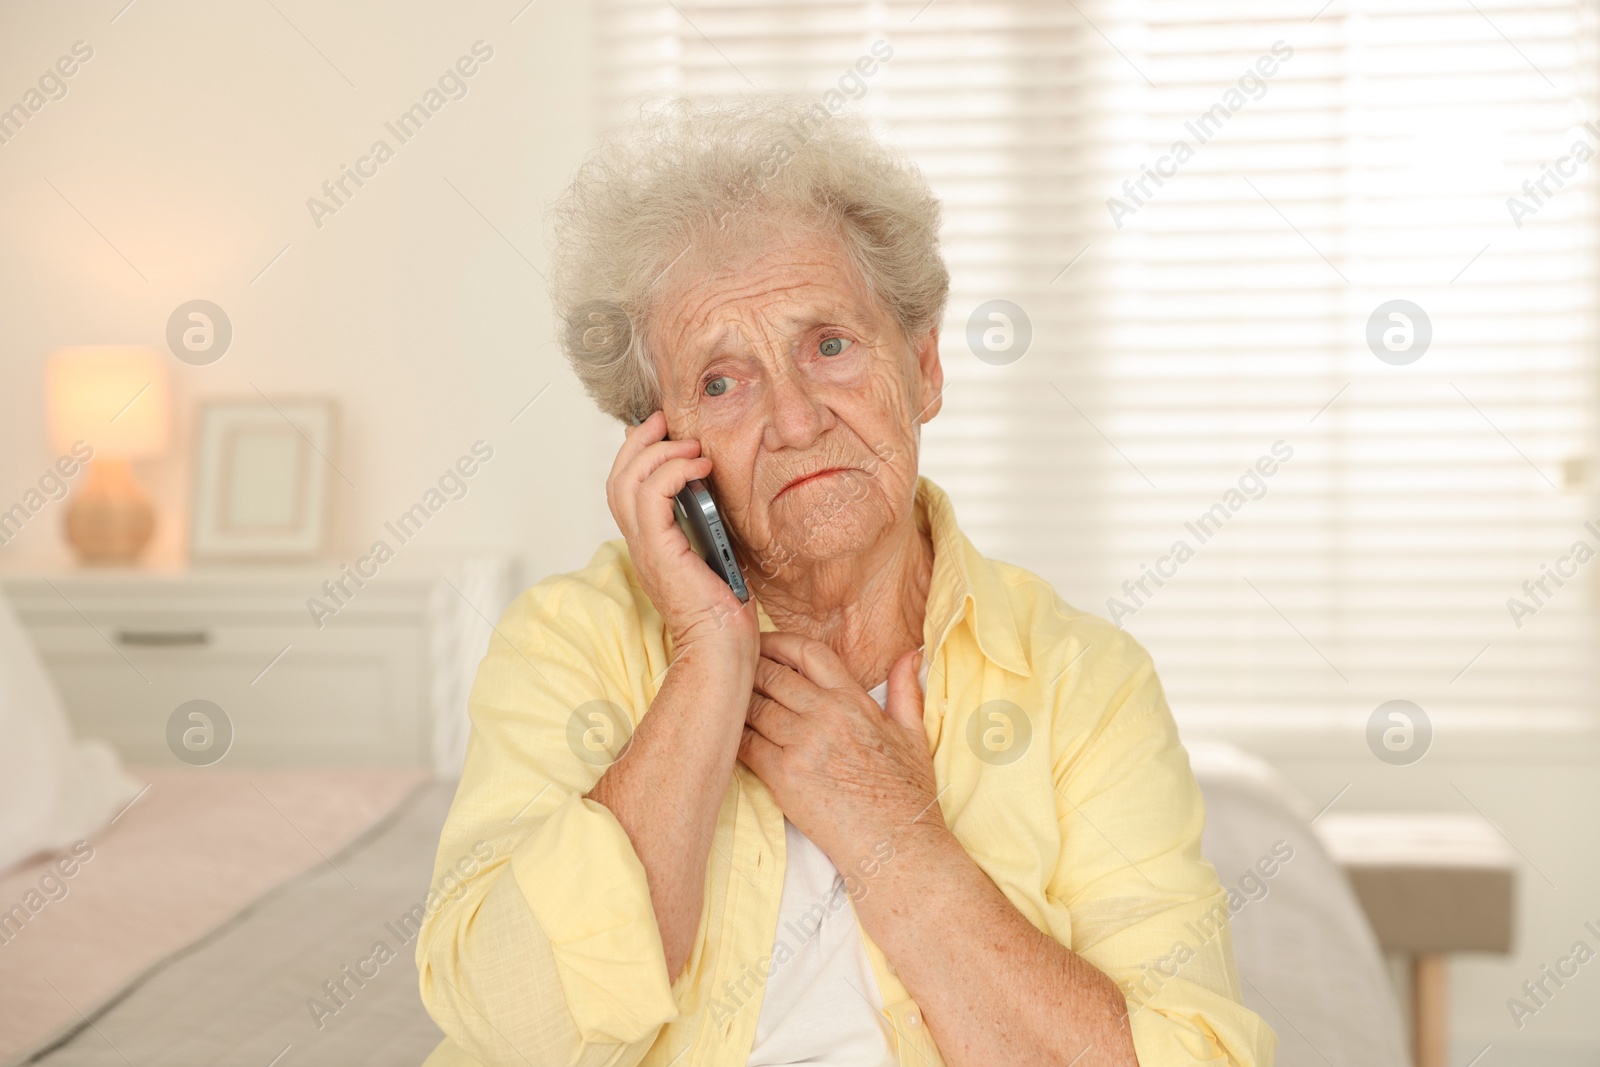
{"x": 701, "y": 523}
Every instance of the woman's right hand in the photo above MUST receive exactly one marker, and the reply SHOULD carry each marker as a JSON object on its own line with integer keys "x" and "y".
{"x": 697, "y": 606}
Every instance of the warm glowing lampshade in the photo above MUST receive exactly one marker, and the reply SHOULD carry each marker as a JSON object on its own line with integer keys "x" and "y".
{"x": 113, "y": 397}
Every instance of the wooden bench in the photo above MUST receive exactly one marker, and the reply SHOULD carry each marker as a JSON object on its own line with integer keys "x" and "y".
{"x": 1432, "y": 884}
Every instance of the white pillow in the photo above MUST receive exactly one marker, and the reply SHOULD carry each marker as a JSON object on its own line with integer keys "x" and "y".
{"x": 54, "y": 791}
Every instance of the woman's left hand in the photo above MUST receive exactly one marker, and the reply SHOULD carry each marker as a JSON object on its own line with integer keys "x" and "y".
{"x": 848, "y": 774}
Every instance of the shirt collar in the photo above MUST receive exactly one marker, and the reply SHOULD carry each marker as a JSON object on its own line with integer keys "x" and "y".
{"x": 966, "y": 585}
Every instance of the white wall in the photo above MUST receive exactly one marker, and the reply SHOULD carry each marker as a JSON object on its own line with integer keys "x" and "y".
{"x": 192, "y": 140}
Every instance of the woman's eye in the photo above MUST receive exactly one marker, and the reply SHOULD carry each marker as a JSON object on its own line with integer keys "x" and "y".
{"x": 833, "y": 346}
{"x": 717, "y": 386}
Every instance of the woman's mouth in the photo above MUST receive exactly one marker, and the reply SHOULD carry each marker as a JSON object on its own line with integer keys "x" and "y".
{"x": 806, "y": 479}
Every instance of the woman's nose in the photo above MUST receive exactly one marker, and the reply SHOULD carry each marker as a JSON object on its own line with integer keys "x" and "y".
{"x": 795, "y": 416}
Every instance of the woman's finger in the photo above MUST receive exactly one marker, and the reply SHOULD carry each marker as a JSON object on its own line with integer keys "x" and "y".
{"x": 668, "y": 477}
{"x": 647, "y": 465}
{"x": 653, "y": 502}
{"x": 809, "y": 657}
{"x": 772, "y": 720}
{"x": 643, "y": 451}
{"x": 637, "y": 438}
{"x": 647, "y": 462}
{"x": 904, "y": 699}
{"x": 619, "y": 485}
{"x": 759, "y": 754}
{"x": 784, "y": 684}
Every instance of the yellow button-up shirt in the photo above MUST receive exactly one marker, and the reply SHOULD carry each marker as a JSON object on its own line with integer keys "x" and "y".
{"x": 1059, "y": 770}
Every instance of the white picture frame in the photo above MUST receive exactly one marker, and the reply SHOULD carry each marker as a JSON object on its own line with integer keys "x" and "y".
{"x": 261, "y": 478}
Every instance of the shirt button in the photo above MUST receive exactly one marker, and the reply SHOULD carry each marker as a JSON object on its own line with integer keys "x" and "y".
{"x": 914, "y": 1019}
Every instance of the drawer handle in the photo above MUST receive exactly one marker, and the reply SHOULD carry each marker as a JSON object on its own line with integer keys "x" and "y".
{"x": 164, "y": 638}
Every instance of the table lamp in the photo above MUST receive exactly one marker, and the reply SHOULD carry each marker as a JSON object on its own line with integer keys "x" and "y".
{"x": 114, "y": 398}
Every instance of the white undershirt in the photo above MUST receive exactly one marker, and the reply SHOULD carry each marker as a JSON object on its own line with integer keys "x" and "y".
{"x": 822, "y": 1005}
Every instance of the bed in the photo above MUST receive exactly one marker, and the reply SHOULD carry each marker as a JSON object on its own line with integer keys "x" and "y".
{"x": 219, "y": 914}
{"x": 210, "y": 915}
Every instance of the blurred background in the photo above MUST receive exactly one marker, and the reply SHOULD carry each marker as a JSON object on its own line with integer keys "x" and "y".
{"x": 1272, "y": 338}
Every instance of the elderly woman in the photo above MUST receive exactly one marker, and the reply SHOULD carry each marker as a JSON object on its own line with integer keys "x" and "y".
{"x": 905, "y": 806}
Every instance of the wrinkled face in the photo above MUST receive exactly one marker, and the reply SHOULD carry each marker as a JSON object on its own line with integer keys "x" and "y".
{"x": 804, "y": 392}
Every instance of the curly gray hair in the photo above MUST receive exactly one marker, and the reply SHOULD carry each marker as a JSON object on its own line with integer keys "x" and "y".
{"x": 729, "y": 172}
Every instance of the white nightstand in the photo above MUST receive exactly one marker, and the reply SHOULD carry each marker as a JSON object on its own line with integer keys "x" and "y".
{"x": 384, "y": 681}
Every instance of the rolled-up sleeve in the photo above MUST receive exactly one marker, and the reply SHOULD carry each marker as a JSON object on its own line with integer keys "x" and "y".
{"x": 586, "y": 888}
{"x": 1146, "y": 908}
{"x": 547, "y": 951}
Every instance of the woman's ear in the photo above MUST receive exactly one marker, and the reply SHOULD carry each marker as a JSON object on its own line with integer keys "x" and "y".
{"x": 931, "y": 374}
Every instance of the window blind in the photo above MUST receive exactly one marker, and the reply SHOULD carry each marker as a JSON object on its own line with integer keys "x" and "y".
{"x": 1199, "y": 214}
